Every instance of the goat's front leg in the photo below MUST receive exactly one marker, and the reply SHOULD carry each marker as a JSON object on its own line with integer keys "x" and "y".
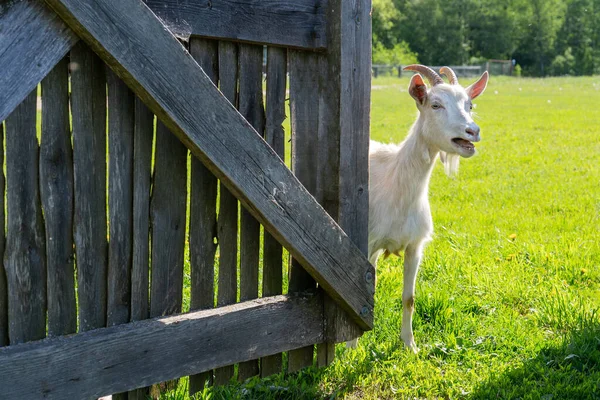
{"x": 412, "y": 259}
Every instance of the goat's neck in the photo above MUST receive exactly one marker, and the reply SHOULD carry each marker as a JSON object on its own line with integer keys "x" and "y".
{"x": 416, "y": 159}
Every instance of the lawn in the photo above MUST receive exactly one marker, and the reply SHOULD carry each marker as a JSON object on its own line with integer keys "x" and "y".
{"x": 509, "y": 289}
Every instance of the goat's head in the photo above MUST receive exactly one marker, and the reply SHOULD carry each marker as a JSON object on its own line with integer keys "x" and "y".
{"x": 446, "y": 110}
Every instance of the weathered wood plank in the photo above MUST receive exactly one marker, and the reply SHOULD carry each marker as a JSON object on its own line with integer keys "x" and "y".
{"x": 228, "y": 204}
{"x": 297, "y": 23}
{"x": 252, "y": 108}
{"x": 145, "y": 352}
{"x": 203, "y": 214}
{"x": 25, "y": 258}
{"x": 344, "y": 140}
{"x": 33, "y": 40}
{"x": 88, "y": 109}
{"x": 304, "y": 110}
{"x": 142, "y": 164}
{"x": 167, "y": 212}
{"x": 56, "y": 189}
{"x": 275, "y": 137}
{"x": 121, "y": 105}
{"x": 3, "y": 287}
{"x": 194, "y": 110}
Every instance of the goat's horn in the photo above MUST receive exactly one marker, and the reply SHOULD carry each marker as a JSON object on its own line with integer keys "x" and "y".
{"x": 431, "y": 75}
{"x": 450, "y": 74}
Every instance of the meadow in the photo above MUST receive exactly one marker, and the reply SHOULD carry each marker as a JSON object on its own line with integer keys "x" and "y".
{"x": 508, "y": 294}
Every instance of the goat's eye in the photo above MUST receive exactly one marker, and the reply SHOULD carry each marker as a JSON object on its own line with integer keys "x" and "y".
{"x": 436, "y": 106}
{"x": 470, "y": 106}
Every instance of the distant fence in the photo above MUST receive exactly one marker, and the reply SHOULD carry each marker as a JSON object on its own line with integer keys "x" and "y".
{"x": 495, "y": 67}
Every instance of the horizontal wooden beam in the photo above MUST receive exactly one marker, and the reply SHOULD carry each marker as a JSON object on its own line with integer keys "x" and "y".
{"x": 136, "y": 45}
{"x": 290, "y": 23}
{"x": 32, "y": 40}
{"x": 138, "y": 354}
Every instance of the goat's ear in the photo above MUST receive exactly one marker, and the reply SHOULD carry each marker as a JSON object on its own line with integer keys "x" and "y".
{"x": 417, "y": 88}
{"x": 478, "y": 87}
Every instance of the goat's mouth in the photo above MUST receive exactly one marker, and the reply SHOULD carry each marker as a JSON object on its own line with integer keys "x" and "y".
{"x": 464, "y": 144}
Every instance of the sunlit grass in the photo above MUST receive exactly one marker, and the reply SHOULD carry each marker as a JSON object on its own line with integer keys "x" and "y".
{"x": 509, "y": 289}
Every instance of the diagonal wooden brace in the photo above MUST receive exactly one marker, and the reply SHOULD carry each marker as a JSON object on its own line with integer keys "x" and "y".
{"x": 138, "y": 47}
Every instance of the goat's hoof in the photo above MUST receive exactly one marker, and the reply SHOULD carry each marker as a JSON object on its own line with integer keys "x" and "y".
{"x": 351, "y": 344}
{"x": 410, "y": 345}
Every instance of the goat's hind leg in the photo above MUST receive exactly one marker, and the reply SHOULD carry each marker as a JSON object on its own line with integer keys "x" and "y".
{"x": 412, "y": 259}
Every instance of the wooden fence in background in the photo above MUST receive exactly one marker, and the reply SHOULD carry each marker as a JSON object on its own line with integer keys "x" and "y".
{"x": 130, "y": 155}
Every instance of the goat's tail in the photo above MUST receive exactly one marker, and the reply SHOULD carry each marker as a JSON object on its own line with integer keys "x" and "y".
{"x": 450, "y": 162}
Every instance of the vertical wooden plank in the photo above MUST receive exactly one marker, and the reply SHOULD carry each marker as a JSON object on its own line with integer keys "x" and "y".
{"x": 274, "y": 135}
{"x": 88, "y": 108}
{"x": 3, "y": 287}
{"x": 227, "y": 223}
{"x": 203, "y": 214}
{"x": 167, "y": 211}
{"x": 56, "y": 188}
{"x": 304, "y": 108}
{"x": 121, "y": 103}
{"x": 142, "y": 163}
{"x": 25, "y": 258}
{"x": 251, "y": 106}
{"x": 344, "y": 108}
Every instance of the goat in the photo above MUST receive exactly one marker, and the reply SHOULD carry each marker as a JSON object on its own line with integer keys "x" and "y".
{"x": 399, "y": 212}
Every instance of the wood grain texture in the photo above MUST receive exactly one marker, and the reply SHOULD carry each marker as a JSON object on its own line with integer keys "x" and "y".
{"x": 297, "y": 23}
{"x": 25, "y": 258}
{"x": 210, "y": 127}
{"x": 121, "y": 105}
{"x": 203, "y": 214}
{"x": 251, "y": 106}
{"x": 145, "y": 352}
{"x": 33, "y": 40}
{"x": 167, "y": 212}
{"x": 228, "y": 204}
{"x": 88, "y": 110}
{"x": 3, "y": 286}
{"x": 56, "y": 189}
{"x": 304, "y": 113}
{"x": 275, "y": 137}
{"x": 142, "y": 164}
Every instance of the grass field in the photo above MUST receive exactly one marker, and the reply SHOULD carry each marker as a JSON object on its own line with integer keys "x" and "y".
{"x": 509, "y": 289}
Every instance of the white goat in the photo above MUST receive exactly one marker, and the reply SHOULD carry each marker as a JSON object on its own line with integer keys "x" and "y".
{"x": 399, "y": 213}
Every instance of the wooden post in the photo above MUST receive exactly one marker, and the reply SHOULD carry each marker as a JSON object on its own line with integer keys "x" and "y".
{"x": 88, "y": 109}
{"x": 25, "y": 259}
{"x": 252, "y": 108}
{"x": 3, "y": 287}
{"x": 203, "y": 214}
{"x": 56, "y": 189}
{"x": 275, "y": 136}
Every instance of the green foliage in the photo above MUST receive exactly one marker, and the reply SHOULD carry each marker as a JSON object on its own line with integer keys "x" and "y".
{"x": 400, "y": 54}
{"x": 509, "y": 289}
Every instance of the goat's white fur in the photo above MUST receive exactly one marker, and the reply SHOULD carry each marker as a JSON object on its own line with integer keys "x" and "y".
{"x": 399, "y": 213}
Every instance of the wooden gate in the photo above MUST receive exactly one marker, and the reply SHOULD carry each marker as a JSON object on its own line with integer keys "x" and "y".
{"x": 95, "y": 239}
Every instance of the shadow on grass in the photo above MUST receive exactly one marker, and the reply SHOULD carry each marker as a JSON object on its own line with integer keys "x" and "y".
{"x": 568, "y": 371}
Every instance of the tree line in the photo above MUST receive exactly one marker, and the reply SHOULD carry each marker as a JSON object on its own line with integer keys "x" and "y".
{"x": 544, "y": 37}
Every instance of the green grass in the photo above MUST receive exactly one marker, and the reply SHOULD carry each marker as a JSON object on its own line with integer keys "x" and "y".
{"x": 509, "y": 289}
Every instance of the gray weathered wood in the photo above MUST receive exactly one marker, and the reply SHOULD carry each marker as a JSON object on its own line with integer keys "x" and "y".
{"x": 142, "y": 165}
{"x": 298, "y": 23}
{"x": 344, "y": 104}
{"x": 275, "y": 137}
{"x": 194, "y": 110}
{"x": 25, "y": 258}
{"x": 167, "y": 211}
{"x": 32, "y": 41}
{"x": 304, "y": 110}
{"x": 56, "y": 189}
{"x": 203, "y": 214}
{"x": 88, "y": 109}
{"x": 251, "y": 106}
{"x": 228, "y": 204}
{"x": 145, "y": 352}
{"x": 3, "y": 287}
{"x": 121, "y": 105}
